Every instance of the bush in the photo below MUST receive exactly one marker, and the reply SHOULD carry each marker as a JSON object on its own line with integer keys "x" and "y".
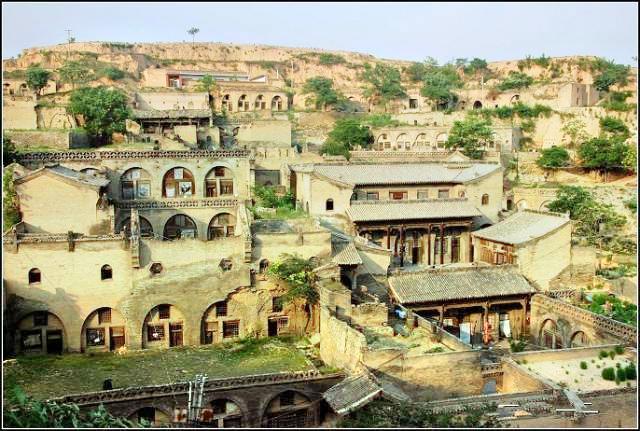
{"x": 619, "y": 350}
{"x": 113, "y": 73}
{"x": 621, "y": 374}
{"x": 630, "y": 372}
{"x": 583, "y": 365}
{"x": 330, "y": 59}
{"x": 515, "y": 80}
{"x": 612, "y": 354}
{"x": 609, "y": 373}
{"x": 554, "y": 157}
{"x": 603, "y": 354}
{"x": 614, "y": 126}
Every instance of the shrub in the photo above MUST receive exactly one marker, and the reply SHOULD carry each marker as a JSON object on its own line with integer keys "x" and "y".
{"x": 583, "y": 365}
{"x": 621, "y": 374}
{"x": 603, "y": 354}
{"x": 619, "y": 350}
{"x": 612, "y": 354}
{"x": 554, "y": 157}
{"x": 630, "y": 372}
{"x": 609, "y": 373}
{"x": 517, "y": 345}
{"x": 614, "y": 126}
{"x": 113, "y": 73}
{"x": 515, "y": 80}
{"x": 330, "y": 59}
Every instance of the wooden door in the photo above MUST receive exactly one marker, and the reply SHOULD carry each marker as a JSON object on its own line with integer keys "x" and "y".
{"x": 116, "y": 335}
{"x": 54, "y": 342}
{"x": 175, "y": 334}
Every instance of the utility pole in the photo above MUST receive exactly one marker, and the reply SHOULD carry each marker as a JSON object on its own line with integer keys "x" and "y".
{"x": 68, "y": 43}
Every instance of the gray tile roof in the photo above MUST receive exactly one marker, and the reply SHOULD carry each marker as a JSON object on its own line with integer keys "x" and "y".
{"x": 79, "y": 177}
{"x": 405, "y": 173}
{"x": 523, "y": 226}
{"x": 411, "y": 210}
{"x": 345, "y": 253}
{"x": 170, "y": 113}
{"x": 352, "y": 392}
{"x": 447, "y": 284}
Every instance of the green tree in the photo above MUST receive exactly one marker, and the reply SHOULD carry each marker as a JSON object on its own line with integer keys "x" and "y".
{"x": 74, "y": 72}
{"x": 603, "y": 153}
{"x": 614, "y": 127}
{"x": 9, "y": 152}
{"x": 439, "y": 83}
{"x": 347, "y": 134}
{"x": 10, "y": 207}
{"x": 575, "y": 130}
{"x": 323, "y": 92}
{"x": 113, "y": 73}
{"x": 554, "y": 157}
{"x": 329, "y": 59}
{"x": 475, "y": 65}
{"x": 608, "y": 74}
{"x": 37, "y": 77}
{"x": 384, "y": 83}
{"x": 207, "y": 84}
{"x": 630, "y": 160}
{"x": 193, "y": 31}
{"x": 104, "y": 111}
{"x": 471, "y": 136}
{"x": 515, "y": 80}
{"x": 22, "y": 411}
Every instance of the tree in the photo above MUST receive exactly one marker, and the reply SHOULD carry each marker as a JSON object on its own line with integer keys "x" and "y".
{"x": 193, "y": 31}
{"x": 609, "y": 73}
{"x": 515, "y": 80}
{"x": 554, "y": 157}
{"x": 384, "y": 83}
{"x": 603, "y": 153}
{"x": 474, "y": 66}
{"x": 347, "y": 134}
{"x": 471, "y": 135}
{"x": 207, "y": 84}
{"x": 22, "y": 411}
{"x": 113, "y": 73}
{"x": 10, "y": 207}
{"x": 323, "y": 92}
{"x": 37, "y": 77}
{"x": 74, "y": 72}
{"x": 103, "y": 109}
{"x": 614, "y": 127}
{"x": 575, "y": 129}
{"x": 9, "y": 153}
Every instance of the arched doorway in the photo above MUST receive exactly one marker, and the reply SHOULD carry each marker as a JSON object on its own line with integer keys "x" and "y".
{"x": 221, "y": 225}
{"x": 219, "y": 182}
{"x": 217, "y": 325}
{"x": 550, "y": 336}
{"x": 260, "y": 103}
{"x": 421, "y": 142}
{"x": 276, "y": 103}
{"x": 402, "y": 142}
{"x": 146, "y": 229}
{"x": 40, "y": 332}
{"x": 477, "y": 105}
{"x": 289, "y": 409}
{"x": 441, "y": 141}
{"x": 178, "y": 183}
{"x": 163, "y": 327}
{"x": 544, "y": 206}
{"x": 154, "y": 416}
{"x": 226, "y": 104}
{"x": 383, "y": 142}
{"x": 222, "y": 413}
{"x": 579, "y": 339}
{"x": 180, "y": 226}
{"x": 103, "y": 330}
{"x": 243, "y": 103}
{"x": 522, "y": 204}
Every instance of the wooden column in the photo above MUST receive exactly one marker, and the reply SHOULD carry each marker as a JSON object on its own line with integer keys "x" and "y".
{"x": 428, "y": 244}
{"x": 401, "y": 251}
{"x": 470, "y": 243}
{"x": 441, "y": 243}
{"x": 388, "y": 237}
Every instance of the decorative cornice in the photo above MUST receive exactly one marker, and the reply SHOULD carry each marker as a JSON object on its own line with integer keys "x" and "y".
{"x": 35, "y": 238}
{"x": 176, "y": 203}
{"x": 124, "y": 155}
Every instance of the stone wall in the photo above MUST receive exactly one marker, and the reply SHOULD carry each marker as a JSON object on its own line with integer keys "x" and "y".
{"x": 34, "y": 139}
{"x": 369, "y": 314}
{"x": 341, "y": 346}
{"x": 265, "y": 133}
{"x": 19, "y": 113}
{"x": 516, "y": 379}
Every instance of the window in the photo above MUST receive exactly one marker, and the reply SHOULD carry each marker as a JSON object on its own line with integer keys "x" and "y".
{"x": 31, "y": 340}
{"x": 155, "y": 332}
{"x": 461, "y": 194}
{"x": 485, "y": 199}
{"x": 40, "y": 318}
{"x": 218, "y": 171}
{"x": 443, "y": 194}
{"x": 277, "y": 303}
{"x": 287, "y": 398}
{"x": 155, "y": 268}
{"x": 398, "y": 195}
{"x": 423, "y": 194}
{"x": 104, "y": 315}
{"x": 264, "y": 265}
{"x": 106, "y": 273}
{"x": 226, "y": 187}
{"x": 136, "y": 184}
{"x": 329, "y": 205}
{"x": 372, "y": 196}
{"x": 178, "y": 182}
{"x": 34, "y": 276}
{"x": 95, "y": 337}
{"x": 219, "y": 406}
{"x": 221, "y": 309}
{"x": 413, "y": 103}
{"x": 231, "y": 329}
{"x": 164, "y": 311}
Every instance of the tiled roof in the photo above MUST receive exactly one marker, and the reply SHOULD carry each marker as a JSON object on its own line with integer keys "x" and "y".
{"x": 406, "y": 173}
{"x": 345, "y": 253}
{"x": 79, "y": 177}
{"x": 458, "y": 284}
{"x": 171, "y": 113}
{"x": 523, "y": 226}
{"x": 352, "y": 392}
{"x": 411, "y": 210}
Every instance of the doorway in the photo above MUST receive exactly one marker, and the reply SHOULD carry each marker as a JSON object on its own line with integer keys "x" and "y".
{"x": 175, "y": 334}
{"x": 273, "y": 328}
{"x": 117, "y": 337}
{"x": 54, "y": 342}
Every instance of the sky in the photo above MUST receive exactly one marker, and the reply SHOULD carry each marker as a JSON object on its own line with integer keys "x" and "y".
{"x": 406, "y": 31}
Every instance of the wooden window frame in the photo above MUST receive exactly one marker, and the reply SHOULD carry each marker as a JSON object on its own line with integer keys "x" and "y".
{"x": 231, "y": 329}
{"x": 91, "y": 341}
{"x": 159, "y": 329}
{"x": 222, "y": 309}
{"x": 164, "y": 312}
{"x": 104, "y": 316}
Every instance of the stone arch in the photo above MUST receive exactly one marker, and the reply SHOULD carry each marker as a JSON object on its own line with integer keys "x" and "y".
{"x": 544, "y": 206}
{"x": 403, "y": 142}
{"x": 103, "y": 330}
{"x": 514, "y": 99}
{"x": 90, "y": 171}
{"x": 41, "y": 332}
{"x": 178, "y": 182}
{"x": 164, "y": 326}
{"x": 260, "y": 104}
{"x": 287, "y": 409}
{"x": 421, "y": 141}
{"x": 212, "y": 322}
{"x": 522, "y": 204}
{"x": 226, "y": 104}
{"x": 34, "y": 276}
{"x": 441, "y": 140}
{"x": 243, "y": 103}
{"x": 276, "y": 103}
{"x": 156, "y": 415}
{"x": 221, "y": 225}
{"x": 477, "y": 104}
{"x": 383, "y": 142}
{"x": 224, "y": 412}
{"x": 146, "y": 229}
{"x": 579, "y": 339}
{"x": 219, "y": 181}
{"x": 135, "y": 183}
{"x": 180, "y": 226}
{"x": 550, "y": 335}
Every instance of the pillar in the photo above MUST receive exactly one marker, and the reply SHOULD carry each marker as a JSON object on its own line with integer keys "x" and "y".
{"x": 485, "y": 324}
{"x": 402, "y": 234}
{"x": 428, "y": 244}
{"x": 388, "y": 237}
{"x": 442, "y": 244}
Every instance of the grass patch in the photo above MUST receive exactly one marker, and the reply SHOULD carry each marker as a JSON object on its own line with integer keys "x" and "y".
{"x": 53, "y": 376}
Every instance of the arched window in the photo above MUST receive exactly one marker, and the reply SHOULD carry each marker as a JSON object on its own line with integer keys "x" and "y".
{"x": 261, "y": 103}
{"x": 477, "y": 105}
{"x": 178, "y": 182}
{"x": 34, "y": 276}
{"x": 485, "y": 199}
{"x": 329, "y": 205}
{"x": 226, "y": 103}
{"x": 136, "y": 184}
{"x": 264, "y": 265}
{"x": 441, "y": 140}
{"x": 276, "y": 103}
{"x": 219, "y": 182}
{"x": 221, "y": 226}
{"x": 383, "y": 142}
{"x": 106, "y": 273}
{"x": 402, "y": 142}
{"x": 180, "y": 226}
{"x": 243, "y": 103}
{"x": 421, "y": 141}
